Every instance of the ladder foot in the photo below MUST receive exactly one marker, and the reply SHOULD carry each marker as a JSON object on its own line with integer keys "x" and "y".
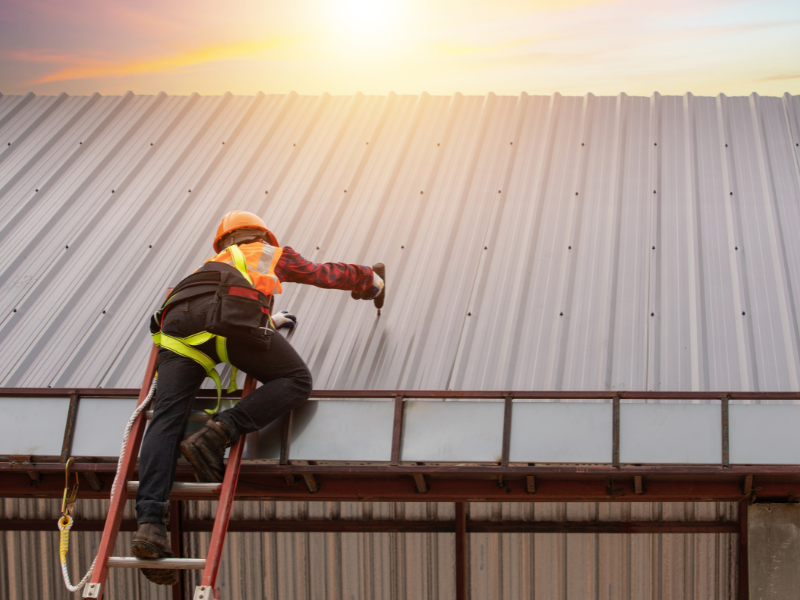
{"x": 92, "y": 590}
{"x": 205, "y": 592}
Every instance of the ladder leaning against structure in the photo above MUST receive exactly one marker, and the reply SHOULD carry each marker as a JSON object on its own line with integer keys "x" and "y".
{"x": 210, "y": 565}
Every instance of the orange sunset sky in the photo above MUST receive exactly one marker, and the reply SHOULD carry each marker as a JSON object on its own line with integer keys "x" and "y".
{"x": 439, "y": 46}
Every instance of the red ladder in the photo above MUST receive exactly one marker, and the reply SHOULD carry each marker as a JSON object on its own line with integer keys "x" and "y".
{"x": 210, "y": 565}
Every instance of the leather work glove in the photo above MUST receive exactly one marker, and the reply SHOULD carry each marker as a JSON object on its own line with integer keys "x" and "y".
{"x": 284, "y": 319}
{"x": 377, "y": 291}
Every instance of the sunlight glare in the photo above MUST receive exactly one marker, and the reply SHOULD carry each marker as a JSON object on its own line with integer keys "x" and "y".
{"x": 374, "y": 25}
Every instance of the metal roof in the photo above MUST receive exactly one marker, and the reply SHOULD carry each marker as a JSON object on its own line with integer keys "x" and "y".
{"x": 531, "y": 242}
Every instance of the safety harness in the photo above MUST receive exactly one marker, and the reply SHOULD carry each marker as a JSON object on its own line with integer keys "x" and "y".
{"x": 196, "y": 285}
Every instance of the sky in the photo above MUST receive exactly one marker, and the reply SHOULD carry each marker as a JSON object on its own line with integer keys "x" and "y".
{"x": 573, "y": 47}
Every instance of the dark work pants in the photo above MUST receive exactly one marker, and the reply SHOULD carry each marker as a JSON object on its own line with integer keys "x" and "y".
{"x": 286, "y": 383}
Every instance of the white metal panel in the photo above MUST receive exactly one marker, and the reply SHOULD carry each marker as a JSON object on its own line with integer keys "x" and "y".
{"x": 332, "y": 430}
{"x": 100, "y": 425}
{"x": 764, "y": 434}
{"x": 33, "y": 426}
{"x": 670, "y": 433}
{"x": 452, "y": 431}
{"x": 553, "y": 432}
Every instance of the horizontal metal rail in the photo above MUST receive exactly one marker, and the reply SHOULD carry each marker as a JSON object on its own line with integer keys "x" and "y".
{"x": 400, "y": 526}
{"x": 194, "y": 489}
{"x": 426, "y": 394}
{"x": 126, "y": 562}
{"x": 445, "y": 469}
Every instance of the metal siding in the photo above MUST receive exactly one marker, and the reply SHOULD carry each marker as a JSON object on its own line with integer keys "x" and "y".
{"x": 407, "y": 565}
{"x": 479, "y": 272}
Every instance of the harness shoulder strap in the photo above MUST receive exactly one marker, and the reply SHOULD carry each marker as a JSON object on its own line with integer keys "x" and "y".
{"x": 240, "y": 262}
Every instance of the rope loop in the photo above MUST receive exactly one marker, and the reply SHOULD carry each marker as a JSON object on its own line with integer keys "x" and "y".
{"x": 65, "y": 522}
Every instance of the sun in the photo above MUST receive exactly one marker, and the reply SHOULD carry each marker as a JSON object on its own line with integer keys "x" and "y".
{"x": 367, "y": 16}
{"x": 360, "y": 15}
{"x": 361, "y": 25}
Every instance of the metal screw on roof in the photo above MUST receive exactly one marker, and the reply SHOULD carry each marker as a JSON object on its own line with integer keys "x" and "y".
{"x": 420, "y": 192}
{"x": 737, "y": 247}
{"x": 104, "y": 312}
{"x": 486, "y": 247}
{"x": 731, "y": 193}
{"x": 742, "y": 313}
{"x": 294, "y": 144}
{"x": 367, "y": 143}
{"x": 576, "y": 193}
{"x": 560, "y": 314}
{"x": 437, "y": 144}
{"x": 402, "y": 247}
{"x": 655, "y": 144}
{"x": 345, "y": 191}
{"x": 15, "y": 310}
{"x": 317, "y": 247}
{"x": 581, "y": 143}
{"x": 654, "y": 191}
{"x": 112, "y": 191}
{"x": 569, "y": 247}
{"x": 37, "y": 190}
{"x": 67, "y": 247}
{"x": 469, "y": 314}
{"x": 654, "y": 247}
{"x": 267, "y": 192}
{"x": 151, "y": 245}
{"x": 511, "y": 143}
{"x": 499, "y": 192}
{"x": 81, "y": 143}
{"x": 223, "y": 143}
{"x": 726, "y": 145}
{"x": 190, "y": 191}
{"x": 652, "y": 314}
{"x": 151, "y": 143}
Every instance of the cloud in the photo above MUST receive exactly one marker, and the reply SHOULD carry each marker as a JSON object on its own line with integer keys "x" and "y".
{"x": 93, "y": 69}
{"x": 458, "y": 50}
{"x": 778, "y": 78}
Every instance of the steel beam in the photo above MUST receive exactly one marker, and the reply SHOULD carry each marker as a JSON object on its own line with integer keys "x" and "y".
{"x": 387, "y": 526}
{"x": 403, "y": 489}
{"x": 462, "y": 552}
{"x": 743, "y": 563}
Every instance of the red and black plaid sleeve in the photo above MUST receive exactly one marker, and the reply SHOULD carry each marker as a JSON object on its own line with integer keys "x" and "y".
{"x": 338, "y": 276}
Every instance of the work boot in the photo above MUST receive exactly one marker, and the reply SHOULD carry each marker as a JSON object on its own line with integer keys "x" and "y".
{"x": 205, "y": 450}
{"x": 151, "y": 542}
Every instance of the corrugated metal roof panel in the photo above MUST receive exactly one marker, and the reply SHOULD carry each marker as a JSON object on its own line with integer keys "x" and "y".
{"x": 531, "y": 242}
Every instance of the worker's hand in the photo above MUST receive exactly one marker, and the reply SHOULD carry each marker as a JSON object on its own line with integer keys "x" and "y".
{"x": 372, "y": 291}
{"x": 284, "y": 319}
{"x": 377, "y": 291}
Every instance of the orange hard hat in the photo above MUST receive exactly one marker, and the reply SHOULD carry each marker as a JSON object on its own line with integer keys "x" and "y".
{"x": 237, "y": 219}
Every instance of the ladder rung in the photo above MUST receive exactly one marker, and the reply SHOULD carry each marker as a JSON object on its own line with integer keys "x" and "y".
{"x": 127, "y": 562}
{"x": 210, "y": 489}
{"x": 195, "y": 415}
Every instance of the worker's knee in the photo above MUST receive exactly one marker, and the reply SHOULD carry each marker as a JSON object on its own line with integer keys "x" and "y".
{"x": 304, "y": 381}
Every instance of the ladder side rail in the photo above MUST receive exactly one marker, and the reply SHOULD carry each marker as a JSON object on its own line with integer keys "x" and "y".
{"x": 222, "y": 517}
{"x": 117, "y": 508}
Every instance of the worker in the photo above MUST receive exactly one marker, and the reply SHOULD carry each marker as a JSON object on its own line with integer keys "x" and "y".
{"x": 231, "y": 294}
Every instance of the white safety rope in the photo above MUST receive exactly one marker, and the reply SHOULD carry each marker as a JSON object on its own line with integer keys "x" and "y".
{"x": 68, "y": 524}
